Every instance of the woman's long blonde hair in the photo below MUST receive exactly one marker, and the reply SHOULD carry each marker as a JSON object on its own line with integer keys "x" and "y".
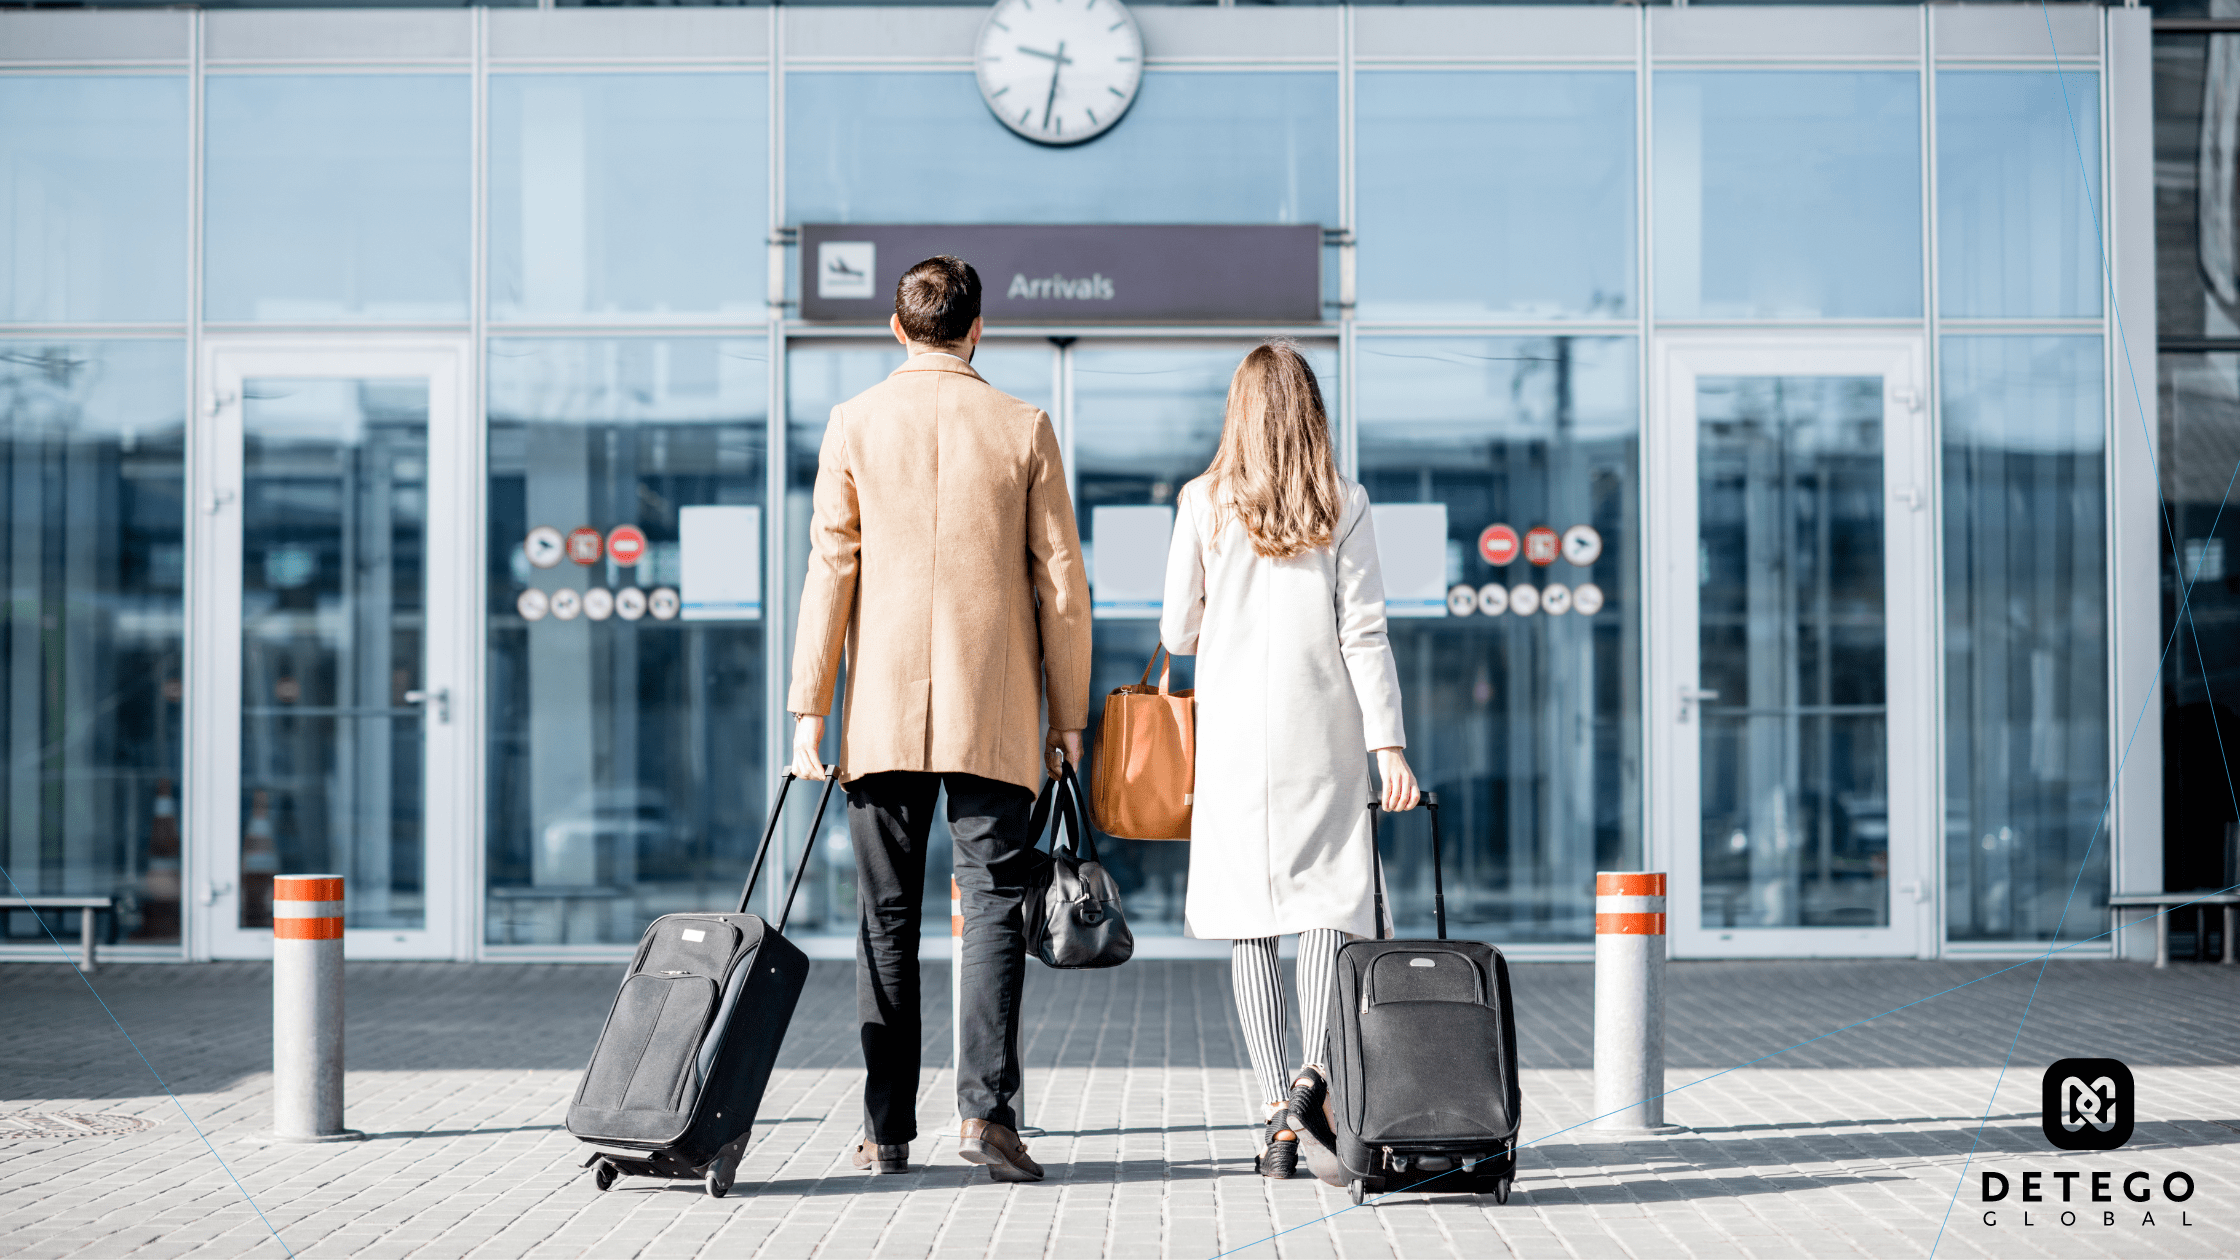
{"x": 1275, "y": 471}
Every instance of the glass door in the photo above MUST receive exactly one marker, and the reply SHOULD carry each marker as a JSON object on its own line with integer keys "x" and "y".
{"x": 333, "y": 694}
{"x": 1791, "y": 645}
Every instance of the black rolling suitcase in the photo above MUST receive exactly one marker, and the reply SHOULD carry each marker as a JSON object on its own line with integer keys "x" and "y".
{"x": 680, "y": 1067}
{"x": 1423, "y": 1059}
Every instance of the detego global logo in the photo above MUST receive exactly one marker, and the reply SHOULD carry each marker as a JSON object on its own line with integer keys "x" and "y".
{"x": 2089, "y": 1106}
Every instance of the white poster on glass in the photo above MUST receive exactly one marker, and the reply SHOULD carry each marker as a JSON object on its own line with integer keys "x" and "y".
{"x": 1128, "y": 566}
{"x": 719, "y": 562}
{"x": 1412, "y": 550}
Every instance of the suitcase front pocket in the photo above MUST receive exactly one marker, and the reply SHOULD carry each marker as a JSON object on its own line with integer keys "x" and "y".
{"x": 1431, "y": 1071}
{"x": 1430, "y": 975}
{"x": 646, "y": 1057}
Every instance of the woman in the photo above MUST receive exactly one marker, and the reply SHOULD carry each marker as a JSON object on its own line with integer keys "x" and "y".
{"x": 1272, "y": 581}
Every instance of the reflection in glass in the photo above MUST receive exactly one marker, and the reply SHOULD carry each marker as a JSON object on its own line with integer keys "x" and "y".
{"x": 334, "y": 509}
{"x": 1495, "y": 194}
{"x": 1788, "y": 194}
{"x": 1146, "y": 419}
{"x": 627, "y": 194}
{"x": 92, "y": 475}
{"x": 2015, "y": 218}
{"x": 1793, "y": 638}
{"x": 627, "y": 747}
{"x": 2197, "y": 183}
{"x": 93, "y": 198}
{"x": 1527, "y": 726}
{"x": 2199, "y": 453}
{"x": 856, "y": 152}
{"x": 819, "y": 376}
{"x": 2025, "y": 635}
{"x": 337, "y": 197}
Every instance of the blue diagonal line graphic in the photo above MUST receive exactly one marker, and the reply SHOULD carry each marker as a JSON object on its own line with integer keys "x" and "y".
{"x": 206, "y": 1143}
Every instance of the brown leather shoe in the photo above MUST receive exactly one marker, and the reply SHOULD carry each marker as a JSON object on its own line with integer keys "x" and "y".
{"x": 880, "y": 1159}
{"x": 980, "y": 1142}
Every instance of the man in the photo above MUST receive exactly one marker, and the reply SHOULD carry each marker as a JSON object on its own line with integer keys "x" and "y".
{"x": 946, "y": 561}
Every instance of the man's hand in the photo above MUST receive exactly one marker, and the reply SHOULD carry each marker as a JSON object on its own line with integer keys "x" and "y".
{"x": 808, "y": 737}
{"x": 1067, "y": 742}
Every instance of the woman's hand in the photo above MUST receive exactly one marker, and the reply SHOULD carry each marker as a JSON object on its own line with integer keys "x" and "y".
{"x": 1399, "y": 781}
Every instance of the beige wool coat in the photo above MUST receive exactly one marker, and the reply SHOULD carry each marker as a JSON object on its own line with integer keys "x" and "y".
{"x": 946, "y": 563}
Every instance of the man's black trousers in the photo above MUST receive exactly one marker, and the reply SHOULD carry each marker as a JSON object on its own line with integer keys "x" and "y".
{"x": 889, "y": 818}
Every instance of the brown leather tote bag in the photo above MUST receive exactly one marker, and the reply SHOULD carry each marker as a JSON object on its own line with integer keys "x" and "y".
{"x": 1147, "y": 758}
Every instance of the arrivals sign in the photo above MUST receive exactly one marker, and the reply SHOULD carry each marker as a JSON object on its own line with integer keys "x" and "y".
{"x": 1090, "y": 274}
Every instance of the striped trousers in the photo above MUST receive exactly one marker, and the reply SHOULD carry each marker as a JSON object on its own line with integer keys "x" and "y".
{"x": 1258, "y": 981}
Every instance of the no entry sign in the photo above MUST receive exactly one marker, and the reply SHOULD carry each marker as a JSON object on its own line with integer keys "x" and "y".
{"x": 626, "y": 545}
{"x": 1498, "y": 545}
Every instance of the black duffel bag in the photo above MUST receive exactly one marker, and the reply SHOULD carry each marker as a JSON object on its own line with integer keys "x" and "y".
{"x": 1073, "y": 916}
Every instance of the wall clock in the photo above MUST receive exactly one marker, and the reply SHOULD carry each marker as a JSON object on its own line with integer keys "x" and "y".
{"x": 1059, "y": 71}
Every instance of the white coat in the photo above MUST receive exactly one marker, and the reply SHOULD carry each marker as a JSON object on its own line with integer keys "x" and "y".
{"x": 1296, "y": 685}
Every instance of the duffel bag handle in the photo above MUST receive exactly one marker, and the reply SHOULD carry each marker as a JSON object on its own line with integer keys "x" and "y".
{"x": 1061, "y": 797}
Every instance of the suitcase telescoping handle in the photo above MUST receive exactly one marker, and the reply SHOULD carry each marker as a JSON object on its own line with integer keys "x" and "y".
{"x": 770, "y": 831}
{"x": 1438, "y": 874}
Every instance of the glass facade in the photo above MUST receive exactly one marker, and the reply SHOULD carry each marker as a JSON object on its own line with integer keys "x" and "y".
{"x": 1519, "y": 220}
{"x": 337, "y": 197}
{"x": 624, "y": 710}
{"x": 92, "y": 661}
{"x": 2026, "y": 631}
{"x": 1526, "y": 721}
{"x": 2197, "y": 278}
{"x": 94, "y": 173}
{"x": 1788, "y": 195}
{"x": 615, "y": 196}
{"x": 1496, "y": 195}
{"x": 2017, "y": 226}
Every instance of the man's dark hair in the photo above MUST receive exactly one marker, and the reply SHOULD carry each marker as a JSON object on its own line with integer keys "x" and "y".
{"x": 937, "y": 300}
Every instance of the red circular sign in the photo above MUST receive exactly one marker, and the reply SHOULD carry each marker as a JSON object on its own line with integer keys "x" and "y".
{"x": 626, "y": 544}
{"x": 1498, "y": 544}
{"x": 1542, "y": 545}
{"x": 585, "y": 545}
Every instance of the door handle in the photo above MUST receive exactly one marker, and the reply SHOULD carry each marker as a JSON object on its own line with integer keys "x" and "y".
{"x": 1912, "y": 497}
{"x": 1690, "y": 697}
{"x": 212, "y": 890}
{"x": 217, "y": 500}
{"x": 442, "y": 697}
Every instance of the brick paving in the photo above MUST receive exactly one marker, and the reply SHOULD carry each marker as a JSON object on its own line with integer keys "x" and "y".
{"x": 460, "y": 1076}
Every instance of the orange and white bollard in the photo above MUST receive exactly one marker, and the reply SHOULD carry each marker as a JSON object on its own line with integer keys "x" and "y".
{"x": 1629, "y": 949}
{"x": 307, "y": 1009}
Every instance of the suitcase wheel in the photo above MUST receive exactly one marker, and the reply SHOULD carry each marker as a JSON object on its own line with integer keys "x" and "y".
{"x": 1501, "y": 1190}
{"x": 721, "y": 1172}
{"x": 603, "y": 1175}
{"x": 1359, "y": 1190}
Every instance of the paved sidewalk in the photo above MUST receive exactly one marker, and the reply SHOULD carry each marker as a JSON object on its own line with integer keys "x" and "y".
{"x": 460, "y": 1075}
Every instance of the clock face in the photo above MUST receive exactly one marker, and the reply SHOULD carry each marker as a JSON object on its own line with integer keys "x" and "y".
{"x": 1059, "y": 71}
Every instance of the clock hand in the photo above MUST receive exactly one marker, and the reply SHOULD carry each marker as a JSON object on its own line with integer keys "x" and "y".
{"x": 1058, "y": 56}
{"x": 1058, "y": 65}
